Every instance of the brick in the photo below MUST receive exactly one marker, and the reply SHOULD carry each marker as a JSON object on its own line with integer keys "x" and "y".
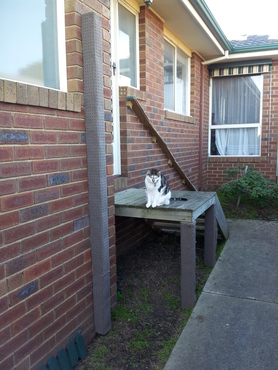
{"x": 20, "y": 263}
{"x": 71, "y": 189}
{"x": 80, "y": 175}
{"x": 28, "y": 121}
{"x": 16, "y": 201}
{"x": 4, "y": 305}
{"x": 5, "y": 336}
{"x": 62, "y": 257}
{"x": 40, "y": 325}
{"x": 56, "y": 123}
{"x": 5, "y": 119}
{"x": 61, "y": 231}
{"x": 70, "y": 164}
{"x": 14, "y": 281}
{"x": 58, "y": 324}
{"x": 78, "y": 150}
{"x": 47, "y": 195}
{"x": 28, "y": 347}
{"x": 43, "y": 137}
{"x": 65, "y": 306}
{"x": 34, "y": 242}
{"x": 59, "y": 178}
{"x": 72, "y": 214}
{"x": 49, "y": 250}
{"x": 69, "y": 138}
{"x": 72, "y": 239}
{"x": 7, "y": 363}
{"x": 9, "y": 252}
{"x": 60, "y": 205}
{"x": 23, "y": 292}
{"x": 2, "y": 272}
{"x": 75, "y": 287}
{"x": 37, "y": 270}
{"x": 53, "y": 99}
{"x": 52, "y": 302}
{"x": 57, "y": 151}
{"x": 11, "y": 315}
{"x": 74, "y": 263}
{"x": 21, "y": 94}
{"x": 82, "y": 247}
{"x": 33, "y": 212}
{"x": 38, "y": 297}
{"x": 7, "y": 187}
{"x": 45, "y": 166}
{"x": 33, "y": 95}
{"x": 48, "y": 222}
{"x": 30, "y": 152}
{"x": 65, "y": 281}
{"x": 15, "y": 169}
{"x": 43, "y": 97}
{"x": 8, "y": 220}
{"x": 3, "y": 287}
{"x": 45, "y": 348}
{"x": 31, "y": 183}
{"x": 80, "y": 199}
{"x": 81, "y": 223}
{"x": 23, "y": 365}
{"x": 6, "y": 154}
{"x": 50, "y": 277}
{"x": 9, "y": 92}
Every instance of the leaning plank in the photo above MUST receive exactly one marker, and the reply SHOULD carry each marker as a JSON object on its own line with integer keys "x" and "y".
{"x": 139, "y": 111}
{"x": 221, "y": 219}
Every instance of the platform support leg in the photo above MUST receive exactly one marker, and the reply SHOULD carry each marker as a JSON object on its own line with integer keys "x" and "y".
{"x": 188, "y": 264}
{"x": 210, "y": 236}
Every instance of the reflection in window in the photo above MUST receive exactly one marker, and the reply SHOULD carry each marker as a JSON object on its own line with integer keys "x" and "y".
{"x": 176, "y": 80}
{"x": 127, "y": 48}
{"x": 29, "y": 42}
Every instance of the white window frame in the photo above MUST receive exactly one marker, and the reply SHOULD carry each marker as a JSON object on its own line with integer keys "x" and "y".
{"x": 61, "y": 41}
{"x": 176, "y": 47}
{"x": 233, "y": 126}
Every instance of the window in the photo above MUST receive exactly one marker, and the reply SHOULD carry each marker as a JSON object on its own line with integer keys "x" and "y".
{"x": 176, "y": 79}
{"x": 32, "y": 42}
{"x": 236, "y": 109}
{"x": 127, "y": 48}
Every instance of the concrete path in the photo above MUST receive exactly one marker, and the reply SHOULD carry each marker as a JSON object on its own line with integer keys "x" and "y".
{"x": 234, "y": 324}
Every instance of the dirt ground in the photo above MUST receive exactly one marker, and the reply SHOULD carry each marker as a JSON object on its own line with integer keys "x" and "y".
{"x": 149, "y": 318}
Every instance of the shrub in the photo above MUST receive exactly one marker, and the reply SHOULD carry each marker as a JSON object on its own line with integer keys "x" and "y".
{"x": 252, "y": 186}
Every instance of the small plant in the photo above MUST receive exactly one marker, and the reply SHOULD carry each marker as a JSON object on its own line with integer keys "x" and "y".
{"x": 253, "y": 187}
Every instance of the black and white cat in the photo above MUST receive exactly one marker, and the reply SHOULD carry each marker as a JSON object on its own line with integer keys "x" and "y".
{"x": 157, "y": 189}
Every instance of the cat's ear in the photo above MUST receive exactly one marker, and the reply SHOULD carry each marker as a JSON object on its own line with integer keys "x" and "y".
{"x": 148, "y": 172}
{"x": 158, "y": 173}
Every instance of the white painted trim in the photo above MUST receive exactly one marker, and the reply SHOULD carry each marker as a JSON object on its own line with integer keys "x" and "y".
{"x": 61, "y": 34}
{"x": 195, "y": 14}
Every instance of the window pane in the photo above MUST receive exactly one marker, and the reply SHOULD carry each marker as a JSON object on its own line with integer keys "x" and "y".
{"x": 236, "y": 142}
{"x": 169, "y": 88}
{"x": 28, "y": 42}
{"x": 236, "y": 100}
{"x": 127, "y": 48}
{"x": 182, "y": 77}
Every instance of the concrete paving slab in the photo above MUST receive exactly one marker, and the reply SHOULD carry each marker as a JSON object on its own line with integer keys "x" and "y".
{"x": 227, "y": 333}
{"x": 234, "y": 323}
{"x": 247, "y": 268}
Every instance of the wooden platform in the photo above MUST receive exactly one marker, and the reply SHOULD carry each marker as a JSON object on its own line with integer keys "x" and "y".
{"x": 186, "y": 207}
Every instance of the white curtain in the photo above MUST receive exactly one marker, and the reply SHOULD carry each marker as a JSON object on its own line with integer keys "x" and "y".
{"x": 236, "y": 100}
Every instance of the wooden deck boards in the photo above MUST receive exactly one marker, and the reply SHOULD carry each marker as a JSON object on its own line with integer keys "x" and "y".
{"x": 132, "y": 203}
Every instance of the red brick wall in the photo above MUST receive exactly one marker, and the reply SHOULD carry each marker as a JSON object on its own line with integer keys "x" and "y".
{"x": 267, "y": 162}
{"x": 45, "y": 257}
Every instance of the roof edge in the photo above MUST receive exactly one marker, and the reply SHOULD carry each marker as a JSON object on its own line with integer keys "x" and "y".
{"x": 207, "y": 16}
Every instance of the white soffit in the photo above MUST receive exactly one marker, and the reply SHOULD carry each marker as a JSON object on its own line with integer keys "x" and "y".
{"x": 182, "y": 20}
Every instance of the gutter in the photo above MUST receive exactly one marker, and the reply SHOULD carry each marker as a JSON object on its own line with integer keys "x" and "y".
{"x": 211, "y": 61}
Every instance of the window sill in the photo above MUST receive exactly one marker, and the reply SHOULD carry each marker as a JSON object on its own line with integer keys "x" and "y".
{"x": 20, "y": 93}
{"x": 179, "y": 117}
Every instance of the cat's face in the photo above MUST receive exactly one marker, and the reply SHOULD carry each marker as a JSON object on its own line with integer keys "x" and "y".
{"x": 153, "y": 176}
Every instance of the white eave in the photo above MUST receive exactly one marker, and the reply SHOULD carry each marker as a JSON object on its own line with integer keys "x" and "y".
{"x": 183, "y": 21}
